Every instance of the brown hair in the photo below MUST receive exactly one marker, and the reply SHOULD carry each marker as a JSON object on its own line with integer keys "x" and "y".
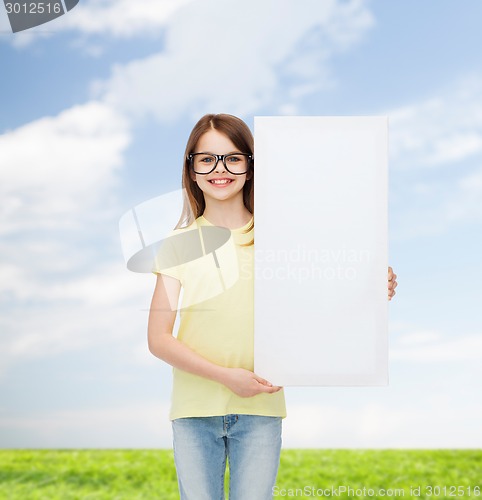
{"x": 239, "y": 134}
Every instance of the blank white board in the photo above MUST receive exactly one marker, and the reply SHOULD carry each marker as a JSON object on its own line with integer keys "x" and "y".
{"x": 321, "y": 250}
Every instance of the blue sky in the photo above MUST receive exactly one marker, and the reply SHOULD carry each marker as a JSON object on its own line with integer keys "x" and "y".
{"x": 95, "y": 109}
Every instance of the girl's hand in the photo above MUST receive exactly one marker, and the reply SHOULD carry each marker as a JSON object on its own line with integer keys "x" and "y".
{"x": 246, "y": 384}
{"x": 392, "y": 284}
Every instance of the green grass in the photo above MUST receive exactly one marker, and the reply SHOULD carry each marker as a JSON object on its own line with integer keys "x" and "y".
{"x": 150, "y": 474}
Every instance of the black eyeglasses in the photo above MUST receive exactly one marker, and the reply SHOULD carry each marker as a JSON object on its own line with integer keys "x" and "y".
{"x": 205, "y": 163}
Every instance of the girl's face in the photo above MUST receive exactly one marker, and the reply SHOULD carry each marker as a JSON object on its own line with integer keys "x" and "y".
{"x": 215, "y": 142}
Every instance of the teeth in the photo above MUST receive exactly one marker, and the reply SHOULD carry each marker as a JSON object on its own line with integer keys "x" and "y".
{"x": 220, "y": 181}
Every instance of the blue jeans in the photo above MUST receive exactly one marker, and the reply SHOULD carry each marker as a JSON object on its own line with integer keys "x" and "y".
{"x": 252, "y": 444}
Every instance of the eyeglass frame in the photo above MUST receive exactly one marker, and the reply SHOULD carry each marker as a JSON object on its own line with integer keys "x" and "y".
{"x": 191, "y": 156}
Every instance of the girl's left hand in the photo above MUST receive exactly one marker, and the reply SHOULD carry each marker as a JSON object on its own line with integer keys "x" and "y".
{"x": 392, "y": 283}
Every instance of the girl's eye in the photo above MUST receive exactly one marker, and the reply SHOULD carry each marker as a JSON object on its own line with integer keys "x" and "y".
{"x": 206, "y": 159}
{"x": 233, "y": 159}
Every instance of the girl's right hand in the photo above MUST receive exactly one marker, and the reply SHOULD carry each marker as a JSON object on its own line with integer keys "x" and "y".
{"x": 247, "y": 384}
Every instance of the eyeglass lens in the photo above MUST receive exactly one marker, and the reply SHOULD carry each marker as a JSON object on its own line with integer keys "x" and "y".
{"x": 204, "y": 163}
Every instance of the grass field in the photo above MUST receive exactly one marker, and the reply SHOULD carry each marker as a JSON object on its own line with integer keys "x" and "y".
{"x": 150, "y": 474}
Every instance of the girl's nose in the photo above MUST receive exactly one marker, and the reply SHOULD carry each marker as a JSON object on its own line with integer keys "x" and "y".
{"x": 220, "y": 166}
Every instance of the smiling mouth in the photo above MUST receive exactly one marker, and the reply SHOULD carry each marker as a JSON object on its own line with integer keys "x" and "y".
{"x": 221, "y": 182}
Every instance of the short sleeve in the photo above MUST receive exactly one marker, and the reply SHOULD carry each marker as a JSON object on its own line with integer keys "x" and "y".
{"x": 167, "y": 259}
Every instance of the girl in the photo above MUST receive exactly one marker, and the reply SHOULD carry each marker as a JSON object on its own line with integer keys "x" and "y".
{"x": 220, "y": 408}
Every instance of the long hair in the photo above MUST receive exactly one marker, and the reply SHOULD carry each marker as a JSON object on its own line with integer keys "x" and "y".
{"x": 239, "y": 134}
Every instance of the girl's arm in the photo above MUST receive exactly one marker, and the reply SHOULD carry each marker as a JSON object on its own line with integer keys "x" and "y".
{"x": 163, "y": 345}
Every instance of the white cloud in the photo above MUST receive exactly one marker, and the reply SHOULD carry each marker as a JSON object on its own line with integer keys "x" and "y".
{"x": 58, "y": 177}
{"x": 122, "y": 18}
{"x": 455, "y": 147}
{"x": 424, "y": 345}
{"x": 133, "y": 425}
{"x": 68, "y": 313}
{"x": 55, "y": 170}
{"x": 236, "y": 58}
{"x": 436, "y": 205}
{"x": 419, "y": 337}
{"x": 466, "y": 202}
{"x": 442, "y": 130}
{"x": 434, "y": 348}
{"x": 381, "y": 424}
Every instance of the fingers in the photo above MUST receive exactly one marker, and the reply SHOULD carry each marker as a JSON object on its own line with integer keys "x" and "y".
{"x": 266, "y": 386}
{"x": 273, "y": 388}
{"x": 262, "y": 381}
{"x": 391, "y": 275}
{"x": 392, "y": 283}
